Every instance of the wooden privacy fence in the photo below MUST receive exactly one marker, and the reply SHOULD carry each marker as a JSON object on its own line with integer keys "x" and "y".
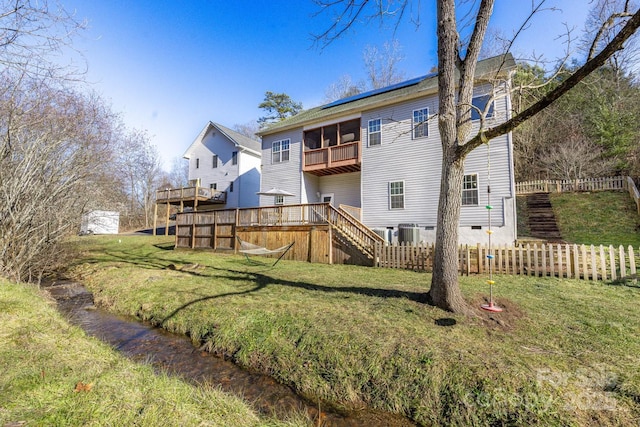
{"x": 554, "y": 260}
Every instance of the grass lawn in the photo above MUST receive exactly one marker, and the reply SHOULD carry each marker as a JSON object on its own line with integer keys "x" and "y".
{"x": 44, "y": 359}
{"x": 599, "y": 218}
{"x": 564, "y": 352}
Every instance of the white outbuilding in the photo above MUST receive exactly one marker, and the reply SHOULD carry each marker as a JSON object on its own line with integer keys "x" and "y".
{"x": 100, "y": 222}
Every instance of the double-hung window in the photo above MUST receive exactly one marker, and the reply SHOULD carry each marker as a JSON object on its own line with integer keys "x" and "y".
{"x": 396, "y": 195}
{"x": 234, "y": 158}
{"x": 215, "y": 161}
{"x": 479, "y": 105}
{"x": 375, "y": 132}
{"x": 197, "y": 163}
{"x": 470, "y": 190}
{"x": 278, "y": 200}
{"x": 420, "y": 123}
{"x": 280, "y": 151}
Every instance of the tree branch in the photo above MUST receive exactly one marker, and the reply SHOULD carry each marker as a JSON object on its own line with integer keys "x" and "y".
{"x": 599, "y": 60}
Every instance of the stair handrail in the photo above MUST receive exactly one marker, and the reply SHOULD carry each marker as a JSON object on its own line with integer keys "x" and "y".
{"x": 363, "y": 234}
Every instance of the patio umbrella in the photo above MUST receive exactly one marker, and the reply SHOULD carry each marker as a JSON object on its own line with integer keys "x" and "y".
{"x": 274, "y": 192}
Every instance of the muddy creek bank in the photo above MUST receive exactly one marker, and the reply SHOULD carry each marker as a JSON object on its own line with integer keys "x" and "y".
{"x": 176, "y": 355}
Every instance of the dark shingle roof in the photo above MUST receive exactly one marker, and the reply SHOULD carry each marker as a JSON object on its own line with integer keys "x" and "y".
{"x": 236, "y": 138}
{"x": 240, "y": 139}
{"x": 486, "y": 69}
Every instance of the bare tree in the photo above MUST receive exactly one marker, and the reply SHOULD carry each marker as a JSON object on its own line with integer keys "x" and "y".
{"x": 178, "y": 176}
{"x": 382, "y": 64}
{"x": 381, "y": 67}
{"x": 52, "y": 155}
{"x": 457, "y": 60}
{"x": 249, "y": 129}
{"x": 139, "y": 164}
{"x": 31, "y": 31}
{"x": 343, "y": 88}
{"x": 575, "y": 157}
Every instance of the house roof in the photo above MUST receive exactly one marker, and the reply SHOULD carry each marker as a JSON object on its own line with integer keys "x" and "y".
{"x": 239, "y": 140}
{"x": 486, "y": 69}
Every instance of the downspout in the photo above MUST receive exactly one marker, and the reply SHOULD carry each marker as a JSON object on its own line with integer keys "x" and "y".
{"x": 512, "y": 178}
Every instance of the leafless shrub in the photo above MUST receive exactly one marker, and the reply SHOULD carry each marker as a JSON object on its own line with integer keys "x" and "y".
{"x": 53, "y": 153}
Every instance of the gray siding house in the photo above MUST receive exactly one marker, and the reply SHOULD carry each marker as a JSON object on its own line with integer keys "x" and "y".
{"x": 378, "y": 156}
{"x": 228, "y": 163}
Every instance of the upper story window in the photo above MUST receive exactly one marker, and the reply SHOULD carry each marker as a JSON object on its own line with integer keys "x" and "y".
{"x": 479, "y": 104}
{"x": 278, "y": 200}
{"x": 213, "y": 186}
{"x": 231, "y": 187}
{"x": 215, "y": 161}
{"x": 396, "y": 195}
{"x": 375, "y": 132}
{"x": 420, "y": 123}
{"x": 234, "y": 158}
{"x": 280, "y": 151}
{"x": 470, "y": 190}
{"x": 197, "y": 163}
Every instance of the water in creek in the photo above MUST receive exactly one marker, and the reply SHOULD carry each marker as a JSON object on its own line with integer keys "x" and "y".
{"x": 176, "y": 354}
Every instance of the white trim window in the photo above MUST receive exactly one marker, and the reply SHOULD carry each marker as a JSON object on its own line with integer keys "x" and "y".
{"x": 197, "y": 163}
{"x": 234, "y": 158}
{"x": 278, "y": 200}
{"x": 479, "y": 104}
{"x": 420, "y": 123}
{"x": 374, "y": 133}
{"x": 215, "y": 161}
{"x": 470, "y": 190}
{"x": 396, "y": 195}
{"x": 280, "y": 151}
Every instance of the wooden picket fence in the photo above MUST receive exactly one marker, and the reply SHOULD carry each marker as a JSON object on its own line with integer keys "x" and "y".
{"x": 568, "y": 185}
{"x": 606, "y": 263}
{"x": 615, "y": 183}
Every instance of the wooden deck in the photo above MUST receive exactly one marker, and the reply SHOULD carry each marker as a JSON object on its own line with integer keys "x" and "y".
{"x": 191, "y": 196}
{"x": 186, "y": 197}
{"x": 321, "y": 232}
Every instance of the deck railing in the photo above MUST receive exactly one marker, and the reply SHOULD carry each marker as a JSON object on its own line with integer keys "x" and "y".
{"x": 360, "y": 235}
{"x": 329, "y": 156}
{"x": 301, "y": 214}
{"x": 187, "y": 193}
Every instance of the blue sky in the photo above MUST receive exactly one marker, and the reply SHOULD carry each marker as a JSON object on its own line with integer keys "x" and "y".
{"x": 171, "y": 66}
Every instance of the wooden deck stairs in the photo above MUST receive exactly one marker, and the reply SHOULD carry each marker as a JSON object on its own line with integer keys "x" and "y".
{"x": 354, "y": 232}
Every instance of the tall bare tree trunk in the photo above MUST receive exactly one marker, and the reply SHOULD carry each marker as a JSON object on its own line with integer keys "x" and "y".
{"x": 445, "y": 292}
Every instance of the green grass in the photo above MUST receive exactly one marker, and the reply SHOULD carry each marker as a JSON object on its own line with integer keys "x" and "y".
{"x": 564, "y": 352}
{"x": 599, "y": 218}
{"x": 43, "y": 357}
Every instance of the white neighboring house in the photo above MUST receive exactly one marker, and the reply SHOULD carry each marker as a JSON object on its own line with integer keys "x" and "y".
{"x": 224, "y": 160}
{"x": 100, "y": 222}
{"x": 379, "y": 153}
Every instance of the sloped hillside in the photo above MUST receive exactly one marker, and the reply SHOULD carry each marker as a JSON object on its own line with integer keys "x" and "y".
{"x": 607, "y": 217}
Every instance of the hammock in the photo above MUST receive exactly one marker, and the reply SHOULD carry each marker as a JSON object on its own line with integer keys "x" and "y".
{"x": 250, "y": 249}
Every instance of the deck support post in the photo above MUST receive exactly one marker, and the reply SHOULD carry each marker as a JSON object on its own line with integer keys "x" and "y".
{"x": 155, "y": 217}
{"x": 166, "y": 226}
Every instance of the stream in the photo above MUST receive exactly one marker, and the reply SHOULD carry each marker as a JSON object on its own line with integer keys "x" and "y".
{"x": 177, "y": 355}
